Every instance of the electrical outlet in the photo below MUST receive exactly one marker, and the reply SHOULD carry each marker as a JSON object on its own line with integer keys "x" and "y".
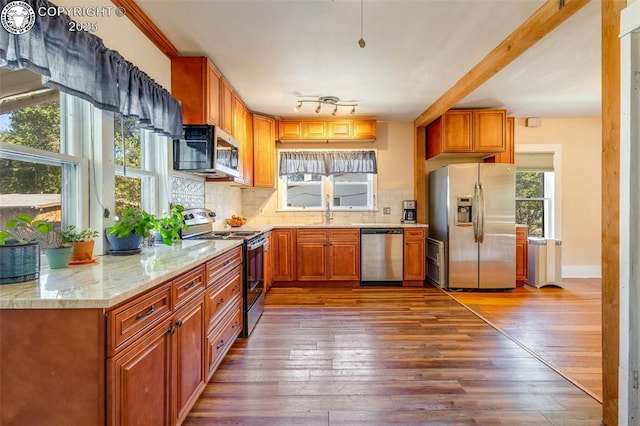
{"x": 386, "y": 210}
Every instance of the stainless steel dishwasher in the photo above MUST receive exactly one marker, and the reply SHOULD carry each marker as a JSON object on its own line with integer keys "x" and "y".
{"x": 381, "y": 256}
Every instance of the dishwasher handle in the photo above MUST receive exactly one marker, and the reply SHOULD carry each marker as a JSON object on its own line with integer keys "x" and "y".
{"x": 381, "y": 231}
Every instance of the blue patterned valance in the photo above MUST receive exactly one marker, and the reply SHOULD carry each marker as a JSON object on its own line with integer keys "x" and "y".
{"x": 327, "y": 162}
{"x": 78, "y": 63}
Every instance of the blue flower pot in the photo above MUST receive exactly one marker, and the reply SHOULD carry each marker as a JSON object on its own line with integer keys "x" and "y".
{"x": 19, "y": 262}
{"x": 131, "y": 242}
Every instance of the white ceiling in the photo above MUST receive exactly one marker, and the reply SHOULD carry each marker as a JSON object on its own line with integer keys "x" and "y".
{"x": 274, "y": 51}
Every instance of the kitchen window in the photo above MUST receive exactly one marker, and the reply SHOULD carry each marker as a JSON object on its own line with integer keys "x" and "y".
{"x": 319, "y": 180}
{"x": 38, "y": 176}
{"x": 535, "y": 183}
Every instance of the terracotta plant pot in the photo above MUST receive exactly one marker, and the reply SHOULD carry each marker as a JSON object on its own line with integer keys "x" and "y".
{"x": 82, "y": 250}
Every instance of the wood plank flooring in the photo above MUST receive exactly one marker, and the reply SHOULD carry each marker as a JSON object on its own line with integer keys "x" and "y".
{"x": 380, "y": 356}
{"x": 561, "y": 325}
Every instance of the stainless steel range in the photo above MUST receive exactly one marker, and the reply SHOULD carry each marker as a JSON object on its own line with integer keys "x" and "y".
{"x": 200, "y": 222}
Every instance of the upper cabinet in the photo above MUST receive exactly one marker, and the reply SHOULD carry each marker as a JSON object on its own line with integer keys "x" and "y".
{"x": 508, "y": 156}
{"x": 195, "y": 82}
{"x": 467, "y": 132}
{"x": 264, "y": 149}
{"x": 319, "y": 130}
{"x": 226, "y": 105}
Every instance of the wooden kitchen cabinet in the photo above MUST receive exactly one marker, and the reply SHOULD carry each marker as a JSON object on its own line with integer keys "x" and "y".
{"x": 139, "y": 391}
{"x": 508, "y": 156}
{"x": 189, "y": 356}
{"x": 195, "y": 82}
{"x": 283, "y": 253}
{"x": 268, "y": 264}
{"x": 470, "y": 132}
{"x": 318, "y": 130}
{"x": 328, "y": 254}
{"x": 246, "y": 150}
{"x": 264, "y": 152}
{"x": 226, "y": 106}
{"x": 414, "y": 256}
{"x": 522, "y": 255}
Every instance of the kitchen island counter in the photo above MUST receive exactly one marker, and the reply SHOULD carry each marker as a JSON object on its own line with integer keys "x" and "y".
{"x": 111, "y": 279}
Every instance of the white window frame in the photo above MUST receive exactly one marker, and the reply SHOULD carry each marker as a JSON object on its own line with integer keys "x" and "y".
{"x": 327, "y": 191}
{"x": 555, "y": 190}
{"x": 548, "y": 199}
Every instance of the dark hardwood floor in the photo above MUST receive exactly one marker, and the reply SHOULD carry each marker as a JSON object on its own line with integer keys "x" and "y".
{"x": 380, "y": 356}
{"x": 563, "y": 326}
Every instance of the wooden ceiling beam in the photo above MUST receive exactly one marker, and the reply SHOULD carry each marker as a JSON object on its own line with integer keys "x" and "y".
{"x": 549, "y": 16}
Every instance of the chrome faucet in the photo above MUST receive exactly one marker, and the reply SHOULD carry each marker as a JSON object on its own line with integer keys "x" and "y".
{"x": 328, "y": 217}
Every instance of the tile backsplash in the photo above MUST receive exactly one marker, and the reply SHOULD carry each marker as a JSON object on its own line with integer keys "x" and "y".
{"x": 260, "y": 206}
{"x": 188, "y": 192}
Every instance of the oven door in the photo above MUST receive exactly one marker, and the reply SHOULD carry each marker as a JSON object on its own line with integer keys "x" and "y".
{"x": 254, "y": 283}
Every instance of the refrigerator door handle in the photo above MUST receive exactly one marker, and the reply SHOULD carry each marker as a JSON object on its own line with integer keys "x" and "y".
{"x": 481, "y": 219}
{"x": 474, "y": 211}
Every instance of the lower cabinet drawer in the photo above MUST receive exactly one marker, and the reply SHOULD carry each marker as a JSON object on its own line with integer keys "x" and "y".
{"x": 222, "y": 336}
{"x": 222, "y": 293}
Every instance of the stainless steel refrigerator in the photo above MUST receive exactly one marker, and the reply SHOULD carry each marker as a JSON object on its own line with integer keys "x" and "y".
{"x": 472, "y": 210}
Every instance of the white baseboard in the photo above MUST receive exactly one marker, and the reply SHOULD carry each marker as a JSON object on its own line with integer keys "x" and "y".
{"x": 581, "y": 271}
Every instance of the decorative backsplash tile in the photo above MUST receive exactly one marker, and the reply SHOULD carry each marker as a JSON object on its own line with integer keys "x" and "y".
{"x": 188, "y": 192}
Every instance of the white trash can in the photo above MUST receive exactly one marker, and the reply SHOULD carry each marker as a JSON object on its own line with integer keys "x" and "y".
{"x": 545, "y": 262}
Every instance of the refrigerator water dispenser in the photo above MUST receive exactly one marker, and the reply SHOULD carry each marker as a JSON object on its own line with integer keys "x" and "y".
{"x": 464, "y": 207}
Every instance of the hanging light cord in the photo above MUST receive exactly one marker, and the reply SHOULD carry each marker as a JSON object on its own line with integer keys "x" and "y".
{"x": 361, "y": 42}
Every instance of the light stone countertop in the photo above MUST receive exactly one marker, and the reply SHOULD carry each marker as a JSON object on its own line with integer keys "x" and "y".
{"x": 111, "y": 279}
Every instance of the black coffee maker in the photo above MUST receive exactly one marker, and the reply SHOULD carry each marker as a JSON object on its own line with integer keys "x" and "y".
{"x": 409, "y": 213}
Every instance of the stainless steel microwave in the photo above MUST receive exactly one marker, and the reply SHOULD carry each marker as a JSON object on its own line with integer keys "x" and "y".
{"x": 206, "y": 149}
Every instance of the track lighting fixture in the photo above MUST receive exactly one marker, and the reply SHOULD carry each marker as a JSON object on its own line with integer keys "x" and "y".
{"x": 327, "y": 100}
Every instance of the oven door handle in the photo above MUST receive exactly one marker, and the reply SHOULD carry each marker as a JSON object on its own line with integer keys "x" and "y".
{"x": 252, "y": 245}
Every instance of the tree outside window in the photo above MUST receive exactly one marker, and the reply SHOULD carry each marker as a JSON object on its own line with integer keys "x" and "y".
{"x": 533, "y": 201}
{"x": 127, "y": 153}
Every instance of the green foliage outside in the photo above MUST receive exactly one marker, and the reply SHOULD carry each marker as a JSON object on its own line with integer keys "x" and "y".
{"x": 35, "y": 127}
{"x": 128, "y": 189}
{"x": 530, "y": 212}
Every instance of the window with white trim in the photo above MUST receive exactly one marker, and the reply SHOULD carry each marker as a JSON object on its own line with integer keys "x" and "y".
{"x": 350, "y": 191}
{"x": 535, "y": 193}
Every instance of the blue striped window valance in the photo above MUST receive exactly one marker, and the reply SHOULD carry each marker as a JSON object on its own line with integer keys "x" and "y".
{"x": 78, "y": 63}
{"x": 327, "y": 162}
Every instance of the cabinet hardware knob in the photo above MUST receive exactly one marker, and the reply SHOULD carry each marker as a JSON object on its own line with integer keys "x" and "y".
{"x": 171, "y": 330}
{"x": 179, "y": 323}
{"x": 235, "y": 324}
{"x": 220, "y": 301}
{"x": 145, "y": 314}
{"x": 226, "y": 262}
{"x": 236, "y": 287}
{"x": 221, "y": 344}
{"x": 190, "y": 285}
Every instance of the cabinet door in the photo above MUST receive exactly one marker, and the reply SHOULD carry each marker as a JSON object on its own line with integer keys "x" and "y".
{"x": 344, "y": 260}
{"x": 283, "y": 253}
{"x": 314, "y": 129}
{"x": 268, "y": 265}
{"x": 246, "y": 148}
{"x": 139, "y": 381}
{"x": 213, "y": 94}
{"x": 226, "y": 100}
{"x": 414, "y": 259}
{"x": 456, "y": 131}
{"x": 365, "y": 129}
{"x": 189, "y": 356}
{"x": 290, "y": 130}
{"x": 522, "y": 254}
{"x": 188, "y": 83}
{"x": 434, "y": 138}
{"x": 339, "y": 129}
{"x": 489, "y": 130}
{"x": 312, "y": 261}
{"x": 237, "y": 118}
{"x": 264, "y": 152}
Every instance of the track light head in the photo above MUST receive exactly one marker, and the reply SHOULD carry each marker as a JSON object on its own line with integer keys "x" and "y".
{"x": 353, "y": 110}
{"x": 297, "y": 107}
{"x": 318, "y": 108}
{"x": 335, "y": 110}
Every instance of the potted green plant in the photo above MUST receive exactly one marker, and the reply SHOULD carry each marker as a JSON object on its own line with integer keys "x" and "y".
{"x": 126, "y": 235}
{"x": 25, "y": 233}
{"x": 82, "y": 242}
{"x": 169, "y": 225}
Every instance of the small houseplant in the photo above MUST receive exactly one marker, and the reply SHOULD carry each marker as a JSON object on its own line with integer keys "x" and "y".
{"x": 169, "y": 225}
{"x": 23, "y": 232}
{"x": 126, "y": 235}
{"x": 82, "y": 242}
